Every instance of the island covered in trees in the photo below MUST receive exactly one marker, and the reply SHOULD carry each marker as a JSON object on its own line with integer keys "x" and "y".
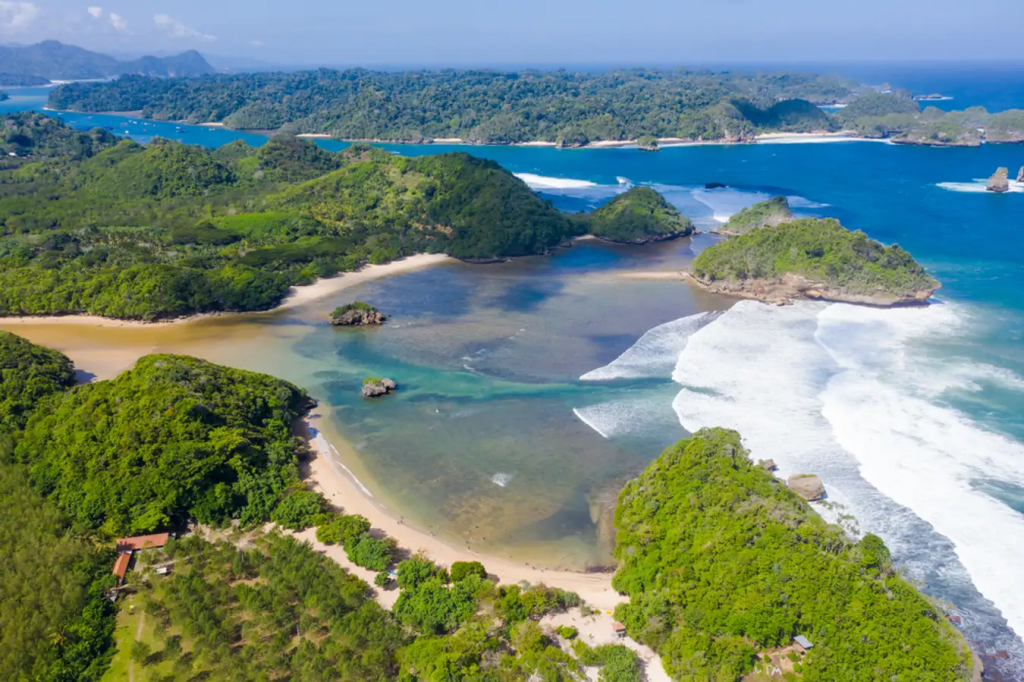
{"x": 637, "y": 216}
{"x": 812, "y": 258}
{"x": 564, "y": 108}
{"x": 570, "y": 109}
{"x": 708, "y": 545}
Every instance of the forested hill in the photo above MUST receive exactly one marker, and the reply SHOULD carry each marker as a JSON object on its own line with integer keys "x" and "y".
{"x": 721, "y": 561}
{"x": 480, "y": 106}
{"x": 52, "y": 60}
{"x": 93, "y": 224}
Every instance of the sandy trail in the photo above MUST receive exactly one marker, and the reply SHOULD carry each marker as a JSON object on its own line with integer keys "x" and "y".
{"x": 296, "y": 297}
{"x": 595, "y": 630}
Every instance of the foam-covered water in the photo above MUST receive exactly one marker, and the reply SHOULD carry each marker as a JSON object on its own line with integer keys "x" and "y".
{"x": 856, "y": 395}
{"x": 654, "y": 355}
{"x": 979, "y": 186}
{"x": 543, "y": 182}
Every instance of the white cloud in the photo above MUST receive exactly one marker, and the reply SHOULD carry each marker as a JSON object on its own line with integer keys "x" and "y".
{"x": 96, "y": 12}
{"x": 118, "y": 22}
{"x": 176, "y": 29}
{"x": 16, "y": 16}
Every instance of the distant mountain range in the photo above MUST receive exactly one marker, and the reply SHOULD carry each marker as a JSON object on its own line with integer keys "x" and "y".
{"x": 52, "y": 60}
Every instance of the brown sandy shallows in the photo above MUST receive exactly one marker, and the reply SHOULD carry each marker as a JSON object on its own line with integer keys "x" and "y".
{"x": 342, "y": 489}
{"x": 296, "y": 297}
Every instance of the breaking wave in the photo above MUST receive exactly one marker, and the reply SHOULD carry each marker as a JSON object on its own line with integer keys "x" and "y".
{"x": 979, "y": 186}
{"x": 545, "y": 182}
{"x": 855, "y": 395}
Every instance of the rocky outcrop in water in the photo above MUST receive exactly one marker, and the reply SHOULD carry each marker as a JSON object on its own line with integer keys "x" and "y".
{"x": 647, "y": 143}
{"x": 374, "y": 387}
{"x": 999, "y": 182}
{"x": 1020, "y": 174}
{"x": 357, "y": 314}
{"x": 807, "y": 486}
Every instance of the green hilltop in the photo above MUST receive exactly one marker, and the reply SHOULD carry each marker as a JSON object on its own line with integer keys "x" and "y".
{"x": 815, "y": 258}
{"x": 166, "y": 229}
{"x": 637, "y": 216}
{"x": 720, "y": 561}
{"x": 774, "y": 211}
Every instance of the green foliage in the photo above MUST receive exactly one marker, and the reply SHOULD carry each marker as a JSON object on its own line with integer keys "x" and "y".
{"x": 373, "y": 553}
{"x": 275, "y": 611}
{"x": 479, "y": 106}
{"x": 173, "y": 439}
{"x": 618, "y": 662}
{"x": 356, "y": 305}
{"x": 28, "y": 374}
{"x": 463, "y": 569}
{"x": 720, "y": 559}
{"x": 165, "y": 230}
{"x": 37, "y": 136}
{"x": 774, "y": 211}
{"x": 434, "y": 608}
{"x": 418, "y": 570}
{"x": 382, "y": 579}
{"x": 791, "y": 115}
{"x": 878, "y": 104}
{"x": 55, "y": 622}
{"x": 298, "y": 509}
{"x": 161, "y": 170}
{"x": 820, "y": 250}
{"x": 567, "y": 632}
{"x": 514, "y": 604}
{"x": 638, "y": 215}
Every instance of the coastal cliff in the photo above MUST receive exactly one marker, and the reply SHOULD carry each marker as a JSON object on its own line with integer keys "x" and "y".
{"x": 814, "y": 259}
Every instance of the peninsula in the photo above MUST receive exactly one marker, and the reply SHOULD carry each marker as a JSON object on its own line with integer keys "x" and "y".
{"x": 165, "y": 230}
{"x": 812, "y": 259}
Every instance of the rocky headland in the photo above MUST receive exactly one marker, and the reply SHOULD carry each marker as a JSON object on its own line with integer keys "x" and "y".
{"x": 815, "y": 259}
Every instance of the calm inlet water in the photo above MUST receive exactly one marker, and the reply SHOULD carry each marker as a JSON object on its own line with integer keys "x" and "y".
{"x": 532, "y": 389}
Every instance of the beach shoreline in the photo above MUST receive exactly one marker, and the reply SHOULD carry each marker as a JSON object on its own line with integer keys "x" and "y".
{"x": 297, "y": 296}
{"x": 341, "y": 488}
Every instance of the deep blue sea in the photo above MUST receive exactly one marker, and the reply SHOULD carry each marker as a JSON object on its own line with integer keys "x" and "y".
{"x": 913, "y": 417}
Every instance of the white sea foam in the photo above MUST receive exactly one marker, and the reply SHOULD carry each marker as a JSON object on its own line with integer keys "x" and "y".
{"x": 849, "y": 393}
{"x": 545, "y": 182}
{"x": 323, "y": 444}
{"x": 725, "y": 202}
{"x": 501, "y": 479}
{"x": 979, "y": 186}
{"x": 623, "y": 181}
{"x": 654, "y": 354}
{"x": 800, "y": 202}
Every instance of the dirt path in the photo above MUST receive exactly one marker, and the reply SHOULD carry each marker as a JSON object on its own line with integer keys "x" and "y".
{"x": 138, "y": 637}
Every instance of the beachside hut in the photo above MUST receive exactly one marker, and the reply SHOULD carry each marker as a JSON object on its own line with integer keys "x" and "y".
{"x": 619, "y": 629}
{"x": 802, "y": 643}
{"x": 138, "y": 542}
{"x": 121, "y": 566}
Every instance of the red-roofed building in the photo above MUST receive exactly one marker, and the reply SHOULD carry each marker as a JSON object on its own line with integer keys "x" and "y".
{"x": 121, "y": 566}
{"x": 143, "y": 542}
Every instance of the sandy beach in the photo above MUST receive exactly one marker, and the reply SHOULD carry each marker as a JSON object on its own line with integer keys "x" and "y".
{"x": 297, "y": 296}
{"x": 342, "y": 489}
{"x": 314, "y": 136}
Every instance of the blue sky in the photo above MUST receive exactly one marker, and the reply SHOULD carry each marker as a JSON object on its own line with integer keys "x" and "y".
{"x": 482, "y": 32}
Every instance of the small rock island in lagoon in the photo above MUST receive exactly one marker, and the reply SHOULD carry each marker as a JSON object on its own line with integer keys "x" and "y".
{"x": 357, "y": 314}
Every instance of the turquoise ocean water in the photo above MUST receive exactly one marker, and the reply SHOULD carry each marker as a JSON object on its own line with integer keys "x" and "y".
{"x": 535, "y": 387}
